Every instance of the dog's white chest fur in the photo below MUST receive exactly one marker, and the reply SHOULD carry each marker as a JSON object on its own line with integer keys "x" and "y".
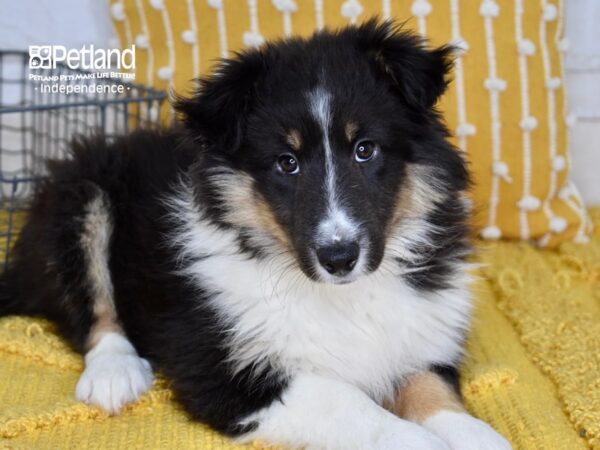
{"x": 369, "y": 333}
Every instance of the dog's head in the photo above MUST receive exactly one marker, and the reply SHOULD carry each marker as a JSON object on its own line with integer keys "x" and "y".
{"x": 328, "y": 149}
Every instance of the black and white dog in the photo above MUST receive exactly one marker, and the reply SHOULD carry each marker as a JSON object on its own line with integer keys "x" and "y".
{"x": 293, "y": 258}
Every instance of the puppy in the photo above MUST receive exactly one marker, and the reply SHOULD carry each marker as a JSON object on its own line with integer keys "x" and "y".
{"x": 293, "y": 258}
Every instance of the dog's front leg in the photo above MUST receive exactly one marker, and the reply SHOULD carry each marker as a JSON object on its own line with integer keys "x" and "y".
{"x": 321, "y": 413}
{"x": 428, "y": 399}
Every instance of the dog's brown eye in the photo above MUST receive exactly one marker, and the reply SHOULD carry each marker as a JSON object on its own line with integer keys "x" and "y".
{"x": 364, "y": 151}
{"x": 288, "y": 164}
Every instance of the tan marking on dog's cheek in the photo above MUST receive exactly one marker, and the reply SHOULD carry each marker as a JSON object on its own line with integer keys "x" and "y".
{"x": 416, "y": 196}
{"x": 294, "y": 139}
{"x": 408, "y": 202}
{"x": 248, "y": 208}
{"x": 424, "y": 395}
{"x": 350, "y": 130}
{"x": 268, "y": 221}
{"x": 403, "y": 204}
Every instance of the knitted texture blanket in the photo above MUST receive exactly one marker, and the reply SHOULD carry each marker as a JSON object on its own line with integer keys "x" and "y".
{"x": 533, "y": 369}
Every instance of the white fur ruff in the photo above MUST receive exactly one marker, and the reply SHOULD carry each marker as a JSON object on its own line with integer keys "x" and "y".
{"x": 369, "y": 333}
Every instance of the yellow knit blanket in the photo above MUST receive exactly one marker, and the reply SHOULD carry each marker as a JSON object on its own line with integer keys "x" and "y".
{"x": 533, "y": 370}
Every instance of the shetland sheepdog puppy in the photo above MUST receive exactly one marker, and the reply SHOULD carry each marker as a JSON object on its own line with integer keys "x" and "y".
{"x": 292, "y": 256}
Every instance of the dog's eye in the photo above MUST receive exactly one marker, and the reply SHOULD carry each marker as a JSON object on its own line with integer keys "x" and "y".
{"x": 288, "y": 164}
{"x": 364, "y": 151}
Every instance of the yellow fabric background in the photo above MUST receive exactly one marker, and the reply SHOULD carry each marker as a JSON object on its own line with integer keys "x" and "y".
{"x": 164, "y": 24}
{"x": 532, "y": 370}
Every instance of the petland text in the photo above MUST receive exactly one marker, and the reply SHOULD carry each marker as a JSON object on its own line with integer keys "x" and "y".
{"x": 86, "y": 58}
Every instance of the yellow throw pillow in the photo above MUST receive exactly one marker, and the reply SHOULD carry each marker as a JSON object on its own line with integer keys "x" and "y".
{"x": 506, "y": 105}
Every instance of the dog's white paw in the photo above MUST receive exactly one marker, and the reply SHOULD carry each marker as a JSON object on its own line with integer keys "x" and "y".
{"x": 111, "y": 380}
{"x": 409, "y": 436}
{"x": 464, "y": 432}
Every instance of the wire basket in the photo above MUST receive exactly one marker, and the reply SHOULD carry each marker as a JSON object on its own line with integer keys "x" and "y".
{"x": 37, "y": 124}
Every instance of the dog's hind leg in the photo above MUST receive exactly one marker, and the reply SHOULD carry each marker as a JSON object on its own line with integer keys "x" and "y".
{"x": 114, "y": 373}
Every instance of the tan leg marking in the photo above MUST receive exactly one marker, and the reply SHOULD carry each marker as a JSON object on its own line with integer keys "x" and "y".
{"x": 97, "y": 230}
{"x": 114, "y": 373}
{"x": 423, "y": 395}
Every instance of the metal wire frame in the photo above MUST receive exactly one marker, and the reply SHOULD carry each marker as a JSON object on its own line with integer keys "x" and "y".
{"x": 36, "y": 126}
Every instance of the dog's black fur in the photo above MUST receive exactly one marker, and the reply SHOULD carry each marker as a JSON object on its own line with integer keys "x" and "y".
{"x": 47, "y": 277}
{"x": 382, "y": 78}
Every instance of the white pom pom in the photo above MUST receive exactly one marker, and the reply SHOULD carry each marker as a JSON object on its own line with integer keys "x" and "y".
{"x": 420, "y": 8}
{"x": 526, "y": 47}
{"x": 141, "y": 40}
{"x": 465, "y": 129}
{"x": 559, "y": 163}
{"x": 564, "y": 44}
{"x": 491, "y": 233}
{"x": 565, "y": 192}
{"x": 489, "y": 8}
{"x": 528, "y": 123}
{"x": 117, "y": 11}
{"x": 571, "y": 120}
{"x": 550, "y": 12}
{"x": 285, "y": 5}
{"x": 351, "y": 9}
{"x": 188, "y": 36}
{"x": 553, "y": 83}
{"x": 252, "y": 39}
{"x": 216, "y": 4}
{"x": 495, "y": 84}
{"x": 500, "y": 168}
{"x": 157, "y": 4}
{"x": 165, "y": 73}
{"x": 461, "y": 45}
{"x": 529, "y": 203}
{"x": 558, "y": 224}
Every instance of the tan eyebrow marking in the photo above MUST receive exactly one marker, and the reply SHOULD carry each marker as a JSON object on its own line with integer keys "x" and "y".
{"x": 294, "y": 139}
{"x": 351, "y": 130}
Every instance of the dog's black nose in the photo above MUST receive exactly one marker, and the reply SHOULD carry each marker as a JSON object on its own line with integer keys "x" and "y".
{"x": 339, "y": 259}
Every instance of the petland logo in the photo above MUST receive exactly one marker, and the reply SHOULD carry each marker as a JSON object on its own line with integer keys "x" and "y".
{"x": 86, "y": 58}
{"x": 92, "y": 70}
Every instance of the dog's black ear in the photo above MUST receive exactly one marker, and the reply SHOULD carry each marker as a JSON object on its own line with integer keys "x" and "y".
{"x": 216, "y": 113}
{"x": 420, "y": 74}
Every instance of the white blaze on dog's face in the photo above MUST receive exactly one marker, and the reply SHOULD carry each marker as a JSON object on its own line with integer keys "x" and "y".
{"x": 320, "y": 148}
{"x": 339, "y": 244}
